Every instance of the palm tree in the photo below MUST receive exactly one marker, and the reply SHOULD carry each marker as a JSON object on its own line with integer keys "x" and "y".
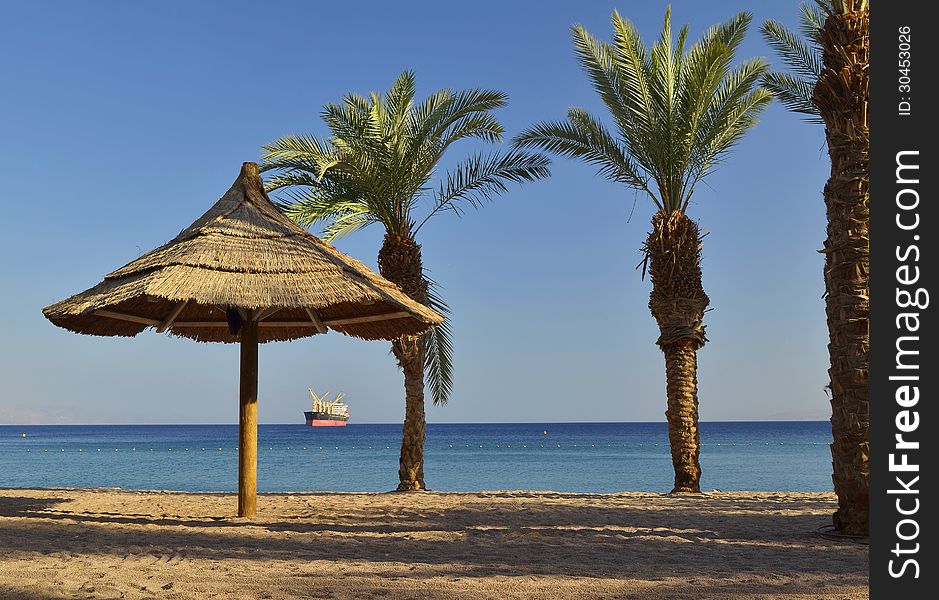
{"x": 377, "y": 166}
{"x": 677, "y": 113}
{"x": 832, "y": 82}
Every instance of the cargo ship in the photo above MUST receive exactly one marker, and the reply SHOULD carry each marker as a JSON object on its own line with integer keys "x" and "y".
{"x": 326, "y": 413}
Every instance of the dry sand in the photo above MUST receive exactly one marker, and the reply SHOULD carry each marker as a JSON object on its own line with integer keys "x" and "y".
{"x": 121, "y": 544}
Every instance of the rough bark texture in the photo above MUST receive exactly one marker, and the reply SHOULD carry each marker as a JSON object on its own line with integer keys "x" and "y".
{"x": 681, "y": 365}
{"x": 399, "y": 261}
{"x": 841, "y": 95}
{"x": 677, "y": 302}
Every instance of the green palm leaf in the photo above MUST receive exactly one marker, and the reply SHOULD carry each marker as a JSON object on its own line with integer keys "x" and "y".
{"x": 480, "y": 178}
{"x": 802, "y": 55}
{"x": 438, "y": 348}
{"x": 594, "y": 147}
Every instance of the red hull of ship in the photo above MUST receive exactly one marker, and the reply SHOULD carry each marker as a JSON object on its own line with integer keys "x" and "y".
{"x": 324, "y": 423}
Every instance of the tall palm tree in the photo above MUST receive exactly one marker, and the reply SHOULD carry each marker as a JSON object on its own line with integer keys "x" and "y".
{"x": 836, "y": 89}
{"x": 677, "y": 113}
{"x": 378, "y": 165}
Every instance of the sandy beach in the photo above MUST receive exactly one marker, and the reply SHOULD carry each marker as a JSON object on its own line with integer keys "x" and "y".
{"x": 136, "y": 545}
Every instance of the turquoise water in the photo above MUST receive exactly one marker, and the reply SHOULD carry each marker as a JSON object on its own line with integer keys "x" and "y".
{"x": 572, "y": 457}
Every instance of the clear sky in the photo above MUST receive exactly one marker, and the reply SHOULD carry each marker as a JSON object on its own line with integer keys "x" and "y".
{"x": 122, "y": 122}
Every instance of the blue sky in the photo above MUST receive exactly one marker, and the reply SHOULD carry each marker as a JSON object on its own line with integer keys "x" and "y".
{"x": 122, "y": 122}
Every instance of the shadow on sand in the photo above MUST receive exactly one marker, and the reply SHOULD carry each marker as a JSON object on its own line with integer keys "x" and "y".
{"x": 725, "y": 537}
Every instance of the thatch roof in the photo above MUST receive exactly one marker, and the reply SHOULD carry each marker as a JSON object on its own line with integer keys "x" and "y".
{"x": 244, "y": 253}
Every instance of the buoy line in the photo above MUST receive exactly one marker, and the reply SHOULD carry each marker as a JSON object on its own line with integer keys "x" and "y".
{"x": 500, "y": 446}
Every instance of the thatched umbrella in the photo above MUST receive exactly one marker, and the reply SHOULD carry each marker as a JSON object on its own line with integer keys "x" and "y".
{"x": 244, "y": 272}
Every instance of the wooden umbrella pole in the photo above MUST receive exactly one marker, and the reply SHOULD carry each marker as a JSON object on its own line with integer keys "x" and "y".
{"x": 248, "y": 421}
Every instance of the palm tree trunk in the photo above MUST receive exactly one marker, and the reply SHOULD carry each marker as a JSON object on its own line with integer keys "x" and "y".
{"x": 841, "y": 95}
{"x": 682, "y": 414}
{"x": 399, "y": 261}
{"x": 677, "y": 301}
{"x": 411, "y": 463}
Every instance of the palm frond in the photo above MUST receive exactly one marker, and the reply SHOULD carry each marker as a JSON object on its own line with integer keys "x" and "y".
{"x": 803, "y": 57}
{"x": 434, "y": 118}
{"x": 740, "y": 117}
{"x": 297, "y": 152}
{"x": 290, "y": 178}
{"x": 703, "y": 72}
{"x": 597, "y": 59}
{"x": 438, "y": 348}
{"x": 400, "y": 99}
{"x": 731, "y": 111}
{"x": 353, "y": 120}
{"x": 634, "y": 71}
{"x": 466, "y": 114}
{"x": 479, "y": 178}
{"x": 592, "y": 144}
{"x": 811, "y": 21}
{"x": 794, "y": 93}
{"x": 322, "y": 203}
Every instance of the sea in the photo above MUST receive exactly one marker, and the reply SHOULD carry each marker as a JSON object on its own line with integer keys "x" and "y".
{"x": 563, "y": 457}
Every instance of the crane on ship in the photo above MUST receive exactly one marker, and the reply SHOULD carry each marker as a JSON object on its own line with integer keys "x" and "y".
{"x": 321, "y": 404}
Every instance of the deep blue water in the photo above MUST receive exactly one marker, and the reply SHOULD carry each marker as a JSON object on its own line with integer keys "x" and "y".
{"x": 572, "y": 457}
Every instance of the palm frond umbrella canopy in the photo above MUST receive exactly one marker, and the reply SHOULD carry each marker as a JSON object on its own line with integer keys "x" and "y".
{"x": 244, "y": 272}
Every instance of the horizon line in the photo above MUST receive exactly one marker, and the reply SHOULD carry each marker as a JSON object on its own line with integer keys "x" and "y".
{"x": 806, "y": 420}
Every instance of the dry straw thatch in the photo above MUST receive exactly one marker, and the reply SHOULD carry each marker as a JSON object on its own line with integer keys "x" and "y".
{"x": 244, "y": 253}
